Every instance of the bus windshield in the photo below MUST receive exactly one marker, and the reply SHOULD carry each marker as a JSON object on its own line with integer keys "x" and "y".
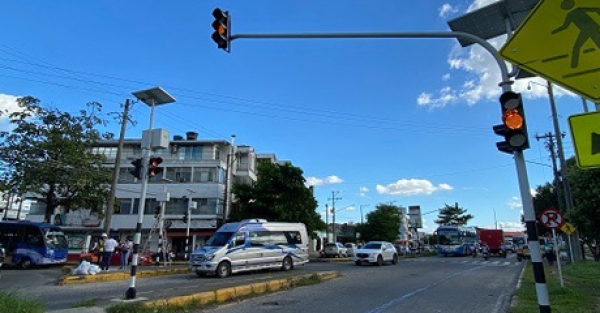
{"x": 448, "y": 237}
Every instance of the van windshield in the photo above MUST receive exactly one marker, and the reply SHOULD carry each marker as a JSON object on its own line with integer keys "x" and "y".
{"x": 219, "y": 239}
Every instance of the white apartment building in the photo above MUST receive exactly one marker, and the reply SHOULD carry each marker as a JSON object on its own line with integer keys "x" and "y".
{"x": 195, "y": 175}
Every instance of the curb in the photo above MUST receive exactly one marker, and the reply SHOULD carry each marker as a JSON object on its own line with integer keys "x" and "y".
{"x": 239, "y": 292}
{"x": 104, "y": 276}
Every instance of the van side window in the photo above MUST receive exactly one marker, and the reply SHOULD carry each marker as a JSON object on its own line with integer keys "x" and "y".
{"x": 279, "y": 238}
{"x": 259, "y": 238}
{"x": 240, "y": 239}
{"x": 293, "y": 237}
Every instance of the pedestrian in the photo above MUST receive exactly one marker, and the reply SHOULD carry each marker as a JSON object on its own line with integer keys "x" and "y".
{"x": 2, "y": 256}
{"x": 126, "y": 248}
{"x": 109, "y": 247}
{"x": 549, "y": 253}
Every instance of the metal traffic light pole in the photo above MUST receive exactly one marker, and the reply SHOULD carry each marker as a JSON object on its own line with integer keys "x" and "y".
{"x": 536, "y": 258}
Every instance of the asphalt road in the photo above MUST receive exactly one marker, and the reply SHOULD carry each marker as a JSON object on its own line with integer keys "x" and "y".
{"x": 449, "y": 285}
{"x": 433, "y": 284}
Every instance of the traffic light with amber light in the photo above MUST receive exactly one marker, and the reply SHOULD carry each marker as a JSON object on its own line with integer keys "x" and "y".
{"x": 222, "y": 26}
{"x": 136, "y": 171}
{"x": 153, "y": 166}
{"x": 513, "y": 127}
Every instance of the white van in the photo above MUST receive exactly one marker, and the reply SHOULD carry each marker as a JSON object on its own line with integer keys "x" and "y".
{"x": 252, "y": 245}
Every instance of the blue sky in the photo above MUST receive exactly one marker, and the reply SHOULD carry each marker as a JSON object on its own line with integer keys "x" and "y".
{"x": 402, "y": 121}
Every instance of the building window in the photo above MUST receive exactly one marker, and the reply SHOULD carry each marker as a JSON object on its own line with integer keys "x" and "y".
{"x": 124, "y": 176}
{"x": 204, "y": 174}
{"x": 125, "y": 206}
{"x": 179, "y": 174}
{"x": 193, "y": 152}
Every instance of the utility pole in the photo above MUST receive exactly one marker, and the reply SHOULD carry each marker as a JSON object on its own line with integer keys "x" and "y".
{"x": 327, "y": 222}
{"x": 230, "y": 161}
{"x": 333, "y": 199}
{"x": 563, "y": 170}
{"x": 361, "y": 213}
{"x": 557, "y": 181}
{"x": 115, "y": 175}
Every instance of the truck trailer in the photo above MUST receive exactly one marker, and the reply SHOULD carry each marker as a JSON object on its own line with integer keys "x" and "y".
{"x": 494, "y": 239}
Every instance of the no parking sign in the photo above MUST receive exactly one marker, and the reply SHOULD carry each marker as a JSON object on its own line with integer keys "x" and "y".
{"x": 552, "y": 218}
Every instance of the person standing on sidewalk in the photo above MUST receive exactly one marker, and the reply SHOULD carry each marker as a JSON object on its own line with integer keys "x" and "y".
{"x": 109, "y": 247}
{"x": 126, "y": 248}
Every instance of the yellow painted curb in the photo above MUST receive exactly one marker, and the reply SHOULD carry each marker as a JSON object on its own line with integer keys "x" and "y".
{"x": 231, "y": 293}
{"x": 102, "y": 277}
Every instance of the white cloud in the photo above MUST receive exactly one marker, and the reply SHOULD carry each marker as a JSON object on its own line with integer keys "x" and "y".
{"x": 511, "y": 226}
{"x": 411, "y": 187}
{"x": 8, "y": 105}
{"x": 515, "y": 203}
{"x": 447, "y": 9}
{"x": 363, "y": 191}
{"x": 329, "y": 180}
{"x": 481, "y": 74}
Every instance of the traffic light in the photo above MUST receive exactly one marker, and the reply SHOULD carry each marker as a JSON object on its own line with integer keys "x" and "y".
{"x": 513, "y": 127}
{"x": 153, "y": 168}
{"x": 222, "y": 34}
{"x": 136, "y": 171}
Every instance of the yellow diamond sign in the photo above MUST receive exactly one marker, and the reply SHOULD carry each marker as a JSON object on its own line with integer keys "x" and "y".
{"x": 585, "y": 132}
{"x": 560, "y": 41}
{"x": 568, "y": 228}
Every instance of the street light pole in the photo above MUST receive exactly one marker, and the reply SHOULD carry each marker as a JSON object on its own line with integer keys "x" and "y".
{"x": 151, "y": 97}
{"x": 190, "y": 206}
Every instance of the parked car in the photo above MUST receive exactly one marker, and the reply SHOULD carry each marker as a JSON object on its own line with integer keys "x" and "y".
{"x": 350, "y": 248}
{"x": 335, "y": 249}
{"x": 427, "y": 248}
{"x": 376, "y": 252}
{"x": 402, "y": 250}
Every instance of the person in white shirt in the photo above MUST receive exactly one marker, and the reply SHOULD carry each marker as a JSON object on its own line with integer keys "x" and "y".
{"x": 109, "y": 247}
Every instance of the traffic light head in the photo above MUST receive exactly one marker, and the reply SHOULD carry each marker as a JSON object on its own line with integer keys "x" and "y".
{"x": 513, "y": 127}
{"x": 222, "y": 26}
{"x": 153, "y": 166}
{"x": 136, "y": 171}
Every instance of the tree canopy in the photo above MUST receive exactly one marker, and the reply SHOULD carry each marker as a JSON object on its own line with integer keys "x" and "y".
{"x": 453, "y": 215}
{"x": 48, "y": 156}
{"x": 383, "y": 223}
{"x": 279, "y": 194}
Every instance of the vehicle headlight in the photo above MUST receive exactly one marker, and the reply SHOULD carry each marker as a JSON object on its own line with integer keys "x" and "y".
{"x": 209, "y": 256}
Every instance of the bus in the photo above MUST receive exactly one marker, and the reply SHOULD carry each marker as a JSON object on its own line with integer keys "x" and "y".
{"x": 456, "y": 240}
{"x": 29, "y": 244}
{"x": 249, "y": 245}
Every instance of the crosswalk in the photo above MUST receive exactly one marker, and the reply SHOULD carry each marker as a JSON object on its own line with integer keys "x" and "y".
{"x": 490, "y": 262}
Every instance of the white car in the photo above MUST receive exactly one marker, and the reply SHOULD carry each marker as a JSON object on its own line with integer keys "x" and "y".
{"x": 376, "y": 252}
{"x": 335, "y": 249}
{"x": 350, "y": 248}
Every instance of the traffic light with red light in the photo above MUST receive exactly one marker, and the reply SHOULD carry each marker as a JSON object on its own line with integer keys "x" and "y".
{"x": 222, "y": 26}
{"x": 136, "y": 171}
{"x": 513, "y": 127}
{"x": 153, "y": 166}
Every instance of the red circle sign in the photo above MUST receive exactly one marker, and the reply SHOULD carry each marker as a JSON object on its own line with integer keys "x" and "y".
{"x": 552, "y": 218}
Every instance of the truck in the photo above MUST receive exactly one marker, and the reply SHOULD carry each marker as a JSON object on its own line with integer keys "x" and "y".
{"x": 494, "y": 239}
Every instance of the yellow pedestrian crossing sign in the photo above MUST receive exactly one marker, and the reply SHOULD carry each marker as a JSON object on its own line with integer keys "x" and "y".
{"x": 560, "y": 41}
{"x": 568, "y": 228}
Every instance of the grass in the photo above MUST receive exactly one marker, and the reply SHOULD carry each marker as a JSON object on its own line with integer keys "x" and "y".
{"x": 85, "y": 303}
{"x": 10, "y": 303}
{"x": 581, "y": 293}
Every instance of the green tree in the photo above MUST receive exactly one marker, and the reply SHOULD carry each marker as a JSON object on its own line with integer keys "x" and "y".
{"x": 585, "y": 190}
{"x": 383, "y": 223}
{"x": 279, "y": 194}
{"x": 453, "y": 215}
{"x": 48, "y": 155}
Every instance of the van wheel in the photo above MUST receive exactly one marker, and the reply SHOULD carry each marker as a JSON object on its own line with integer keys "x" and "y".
{"x": 25, "y": 264}
{"x": 224, "y": 269}
{"x": 379, "y": 260}
{"x": 287, "y": 264}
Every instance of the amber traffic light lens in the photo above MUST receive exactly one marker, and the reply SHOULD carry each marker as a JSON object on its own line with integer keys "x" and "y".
{"x": 512, "y": 119}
